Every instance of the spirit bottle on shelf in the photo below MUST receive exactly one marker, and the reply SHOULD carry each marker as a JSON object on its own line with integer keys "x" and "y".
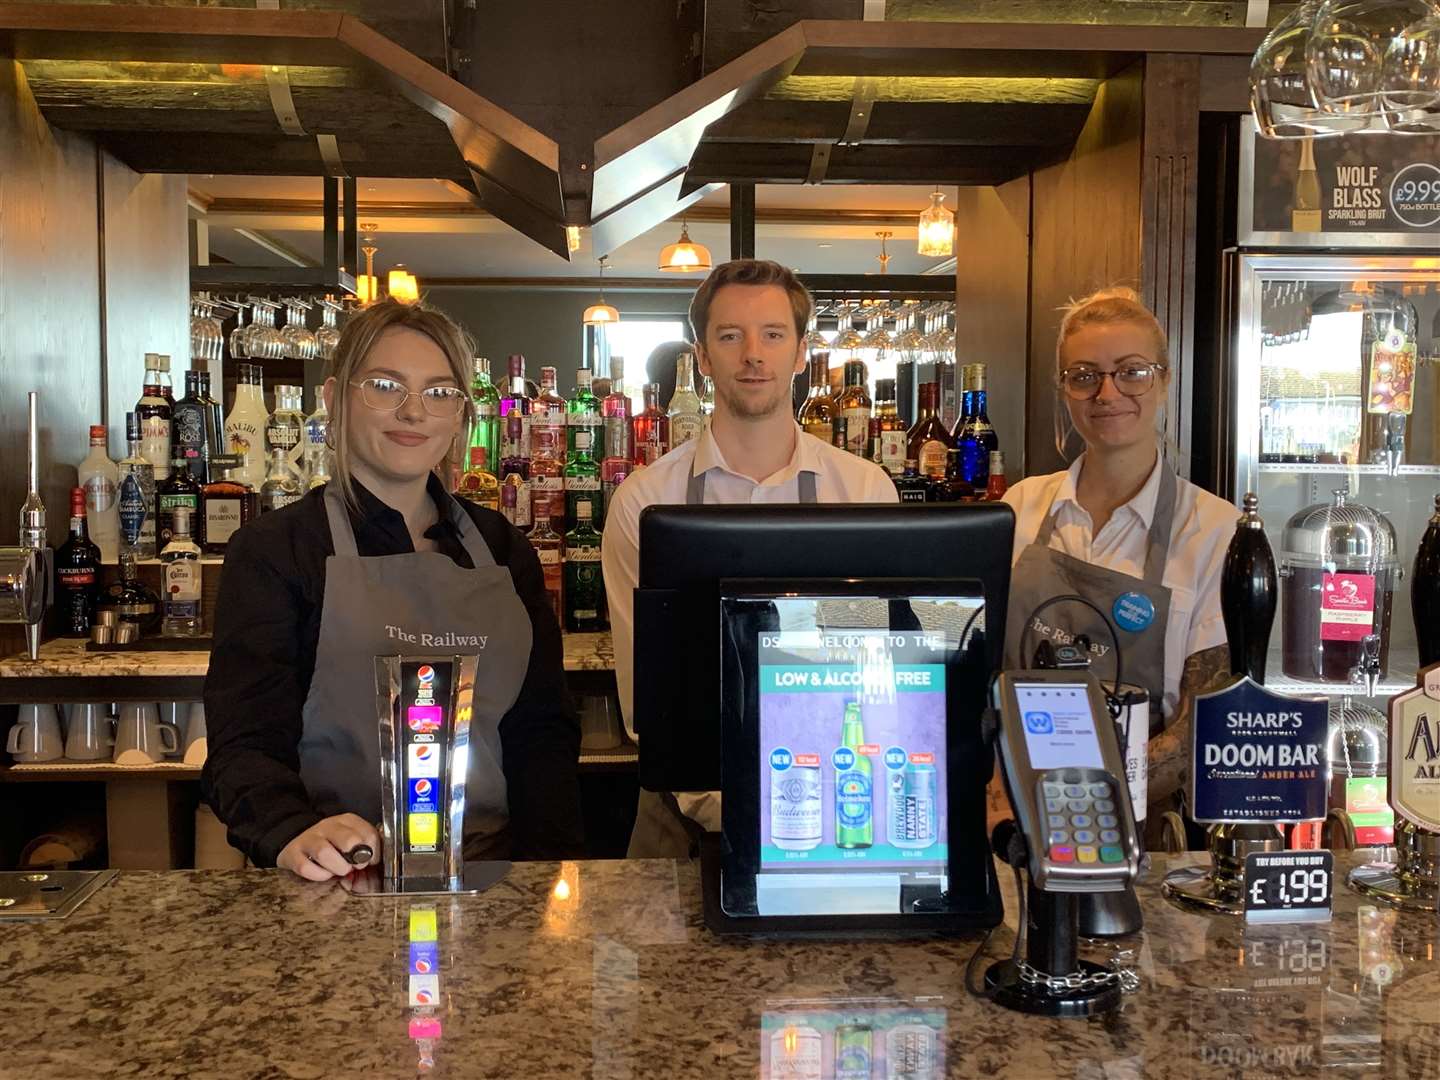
{"x": 317, "y": 454}
{"x": 913, "y": 487}
{"x": 547, "y": 473}
{"x": 547, "y": 544}
{"x": 651, "y": 429}
{"x": 191, "y": 426}
{"x": 100, "y": 477}
{"x": 132, "y": 601}
{"x": 245, "y": 426}
{"x": 516, "y": 398}
{"x": 995, "y": 486}
{"x": 154, "y": 414}
{"x": 615, "y": 410}
{"x": 582, "y": 478}
{"x": 687, "y": 420}
{"x": 889, "y": 450}
{"x": 584, "y": 585}
{"x": 286, "y": 429}
{"x": 179, "y": 491}
{"x": 477, "y": 483}
{"x": 137, "y": 495}
{"x": 225, "y": 504}
{"x": 486, "y": 401}
{"x": 167, "y": 388}
{"x": 954, "y": 487}
{"x": 181, "y": 575}
{"x": 583, "y": 417}
{"x": 77, "y": 572}
{"x": 853, "y": 411}
{"x": 927, "y": 440}
{"x": 974, "y": 434}
{"x": 515, "y": 469}
{"x": 548, "y": 413}
{"x": 817, "y": 411}
{"x": 282, "y": 484}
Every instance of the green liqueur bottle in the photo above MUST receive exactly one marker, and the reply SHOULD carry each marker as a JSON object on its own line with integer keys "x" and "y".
{"x": 854, "y": 790}
{"x": 583, "y": 422}
{"x": 584, "y": 590}
{"x": 582, "y": 476}
{"x": 486, "y": 398}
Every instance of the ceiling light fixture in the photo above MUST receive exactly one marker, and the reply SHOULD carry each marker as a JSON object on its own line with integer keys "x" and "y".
{"x": 685, "y": 257}
{"x": 601, "y": 314}
{"x": 367, "y": 288}
{"x": 402, "y": 285}
{"x": 937, "y": 228}
{"x": 572, "y": 238}
{"x": 884, "y": 257}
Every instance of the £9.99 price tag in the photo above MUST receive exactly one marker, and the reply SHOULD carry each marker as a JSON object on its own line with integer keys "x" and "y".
{"x": 1289, "y": 886}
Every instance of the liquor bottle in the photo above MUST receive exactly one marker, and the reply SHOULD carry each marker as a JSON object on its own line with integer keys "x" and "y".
{"x": 154, "y": 413}
{"x": 477, "y": 483}
{"x": 582, "y": 479}
{"x": 215, "y": 425}
{"x": 137, "y": 495}
{"x": 615, "y": 411}
{"x": 995, "y": 486}
{"x": 687, "y": 420}
{"x": 1425, "y": 592}
{"x": 913, "y": 487}
{"x": 188, "y": 430}
{"x": 167, "y": 388}
{"x": 927, "y": 440}
{"x": 225, "y": 504}
{"x": 853, "y": 410}
{"x": 516, "y": 398}
{"x": 486, "y": 401}
{"x": 77, "y": 572}
{"x": 1305, "y": 208}
{"x": 547, "y": 544}
{"x": 854, "y": 793}
{"x": 890, "y": 451}
{"x": 132, "y": 601}
{"x": 954, "y": 487}
{"x": 651, "y": 428}
{"x": 100, "y": 478}
{"x": 547, "y": 473}
{"x": 181, "y": 575}
{"x": 515, "y": 469}
{"x": 584, "y": 586}
{"x": 974, "y": 434}
{"x": 613, "y": 472}
{"x": 817, "y": 411}
{"x": 582, "y": 418}
{"x": 245, "y": 427}
{"x": 548, "y": 412}
{"x": 1249, "y": 593}
{"x": 179, "y": 491}
{"x": 282, "y": 485}
{"x": 316, "y": 452}
{"x": 286, "y": 427}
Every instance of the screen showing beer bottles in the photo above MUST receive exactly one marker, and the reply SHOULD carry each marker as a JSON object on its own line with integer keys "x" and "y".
{"x": 852, "y": 748}
{"x": 425, "y": 701}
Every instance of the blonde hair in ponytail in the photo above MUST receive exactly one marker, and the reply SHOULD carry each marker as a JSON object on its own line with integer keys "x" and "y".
{"x": 1115, "y": 304}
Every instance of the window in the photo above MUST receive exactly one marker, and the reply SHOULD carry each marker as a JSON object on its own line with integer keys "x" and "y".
{"x": 634, "y": 338}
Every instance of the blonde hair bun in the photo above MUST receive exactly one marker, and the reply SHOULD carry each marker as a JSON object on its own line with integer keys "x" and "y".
{"x": 1108, "y": 306}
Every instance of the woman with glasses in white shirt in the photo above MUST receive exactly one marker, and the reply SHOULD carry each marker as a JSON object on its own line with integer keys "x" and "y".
{"x": 1120, "y": 530}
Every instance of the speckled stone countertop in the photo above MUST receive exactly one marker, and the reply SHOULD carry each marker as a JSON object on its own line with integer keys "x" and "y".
{"x": 67, "y": 658}
{"x": 605, "y": 969}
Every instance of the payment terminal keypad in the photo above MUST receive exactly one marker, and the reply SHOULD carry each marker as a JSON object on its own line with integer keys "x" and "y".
{"x": 1082, "y": 826}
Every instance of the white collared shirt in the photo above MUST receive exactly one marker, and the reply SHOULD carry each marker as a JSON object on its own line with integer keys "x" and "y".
{"x": 840, "y": 477}
{"x": 1199, "y": 538}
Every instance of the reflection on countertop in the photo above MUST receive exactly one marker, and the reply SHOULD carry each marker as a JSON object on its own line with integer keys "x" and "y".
{"x": 68, "y": 658}
{"x": 605, "y": 969}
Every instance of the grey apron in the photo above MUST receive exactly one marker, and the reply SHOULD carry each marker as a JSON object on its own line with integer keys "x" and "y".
{"x": 369, "y": 600}
{"x": 662, "y": 831}
{"x": 1041, "y": 573}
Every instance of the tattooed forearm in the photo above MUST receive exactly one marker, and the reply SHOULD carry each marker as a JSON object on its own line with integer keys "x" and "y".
{"x": 1169, "y": 754}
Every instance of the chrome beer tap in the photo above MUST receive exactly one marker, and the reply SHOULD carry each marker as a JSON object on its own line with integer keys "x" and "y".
{"x": 34, "y": 533}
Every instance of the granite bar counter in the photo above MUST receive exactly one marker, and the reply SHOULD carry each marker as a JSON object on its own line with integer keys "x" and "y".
{"x": 604, "y": 969}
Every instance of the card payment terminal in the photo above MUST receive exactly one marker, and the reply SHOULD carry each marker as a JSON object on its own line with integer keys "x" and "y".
{"x": 1065, "y": 777}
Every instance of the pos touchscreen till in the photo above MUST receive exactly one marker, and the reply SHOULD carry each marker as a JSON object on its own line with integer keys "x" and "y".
{"x": 1065, "y": 776}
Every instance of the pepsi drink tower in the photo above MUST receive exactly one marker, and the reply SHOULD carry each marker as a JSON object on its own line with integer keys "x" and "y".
{"x": 423, "y": 706}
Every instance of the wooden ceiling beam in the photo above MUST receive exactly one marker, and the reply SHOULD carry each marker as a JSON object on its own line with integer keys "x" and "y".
{"x": 902, "y": 123}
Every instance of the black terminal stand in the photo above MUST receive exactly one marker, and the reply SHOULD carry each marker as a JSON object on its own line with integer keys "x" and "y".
{"x": 1051, "y": 980}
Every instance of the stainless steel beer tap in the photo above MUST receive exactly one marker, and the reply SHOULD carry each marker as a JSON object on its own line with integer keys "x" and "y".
{"x": 27, "y": 571}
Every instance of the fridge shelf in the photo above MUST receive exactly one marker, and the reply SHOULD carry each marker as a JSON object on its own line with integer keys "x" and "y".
{"x": 1367, "y": 470}
{"x": 1404, "y": 661}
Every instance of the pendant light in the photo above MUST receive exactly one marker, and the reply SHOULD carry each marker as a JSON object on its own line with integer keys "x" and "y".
{"x": 684, "y": 256}
{"x": 937, "y": 228}
{"x": 402, "y": 285}
{"x": 884, "y": 257}
{"x": 367, "y": 288}
{"x": 601, "y": 314}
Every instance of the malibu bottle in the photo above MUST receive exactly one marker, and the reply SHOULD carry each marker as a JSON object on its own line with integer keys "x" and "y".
{"x": 854, "y": 787}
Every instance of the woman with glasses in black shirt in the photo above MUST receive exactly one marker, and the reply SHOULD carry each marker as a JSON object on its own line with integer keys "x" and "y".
{"x": 381, "y": 556}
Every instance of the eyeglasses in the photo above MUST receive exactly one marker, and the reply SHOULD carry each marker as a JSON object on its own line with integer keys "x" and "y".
{"x": 1083, "y": 382}
{"x": 388, "y": 395}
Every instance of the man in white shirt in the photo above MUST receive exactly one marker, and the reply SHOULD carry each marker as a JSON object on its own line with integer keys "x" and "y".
{"x": 749, "y": 319}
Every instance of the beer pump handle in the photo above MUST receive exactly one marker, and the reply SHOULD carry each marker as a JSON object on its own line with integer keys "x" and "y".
{"x": 1249, "y": 593}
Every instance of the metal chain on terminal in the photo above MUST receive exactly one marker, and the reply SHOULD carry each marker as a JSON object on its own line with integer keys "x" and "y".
{"x": 1078, "y": 982}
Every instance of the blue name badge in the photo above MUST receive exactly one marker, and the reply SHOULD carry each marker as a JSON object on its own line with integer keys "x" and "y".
{"x": 1133, "y": 611}
{"x": 1259, "y": 757}
{"x": 424, "y": 796}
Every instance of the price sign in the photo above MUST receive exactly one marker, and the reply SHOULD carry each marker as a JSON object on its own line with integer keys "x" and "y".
{"x": 1288, "y": 886}
{"x": 1415, "y": 195}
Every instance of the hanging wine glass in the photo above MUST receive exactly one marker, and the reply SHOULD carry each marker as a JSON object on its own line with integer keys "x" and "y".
{"x": 328, "y": 336}
{"x": 299, "y": 340}
{"x": 1281, "y": 95}
{"x": 239, "y": 349}
{"x": 1346, "y": 51}
{"x": 1411, "y": 80}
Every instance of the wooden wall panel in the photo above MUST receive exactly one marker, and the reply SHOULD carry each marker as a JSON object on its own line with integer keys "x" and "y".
{"x": 147, "y": 284}
{"x": 992, "y": 311}
{"x": 1085, "y": 235}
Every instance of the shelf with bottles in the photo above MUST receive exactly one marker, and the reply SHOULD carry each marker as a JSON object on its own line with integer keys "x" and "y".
{"x": 1338, "y": 469}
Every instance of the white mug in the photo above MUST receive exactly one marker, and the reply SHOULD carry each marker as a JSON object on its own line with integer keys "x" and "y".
{"x": 141, "y": 736}
{"x": 173, "y": 714}
{"x": 36, "y": 735}
{"x": 91, "y": 734}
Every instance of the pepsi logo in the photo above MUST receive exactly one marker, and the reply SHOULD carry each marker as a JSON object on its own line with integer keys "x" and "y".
{"x": 423, "y": 787}
{"x": 426, "y": 674}
{"x": 424, "y": 997}
{"x": 423, "y": 968}
{"x": 424, "y": 753}
{"x": 424, "y": 723}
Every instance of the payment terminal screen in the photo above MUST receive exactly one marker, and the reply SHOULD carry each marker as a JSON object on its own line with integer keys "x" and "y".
{"x": 1059, "y": 726}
